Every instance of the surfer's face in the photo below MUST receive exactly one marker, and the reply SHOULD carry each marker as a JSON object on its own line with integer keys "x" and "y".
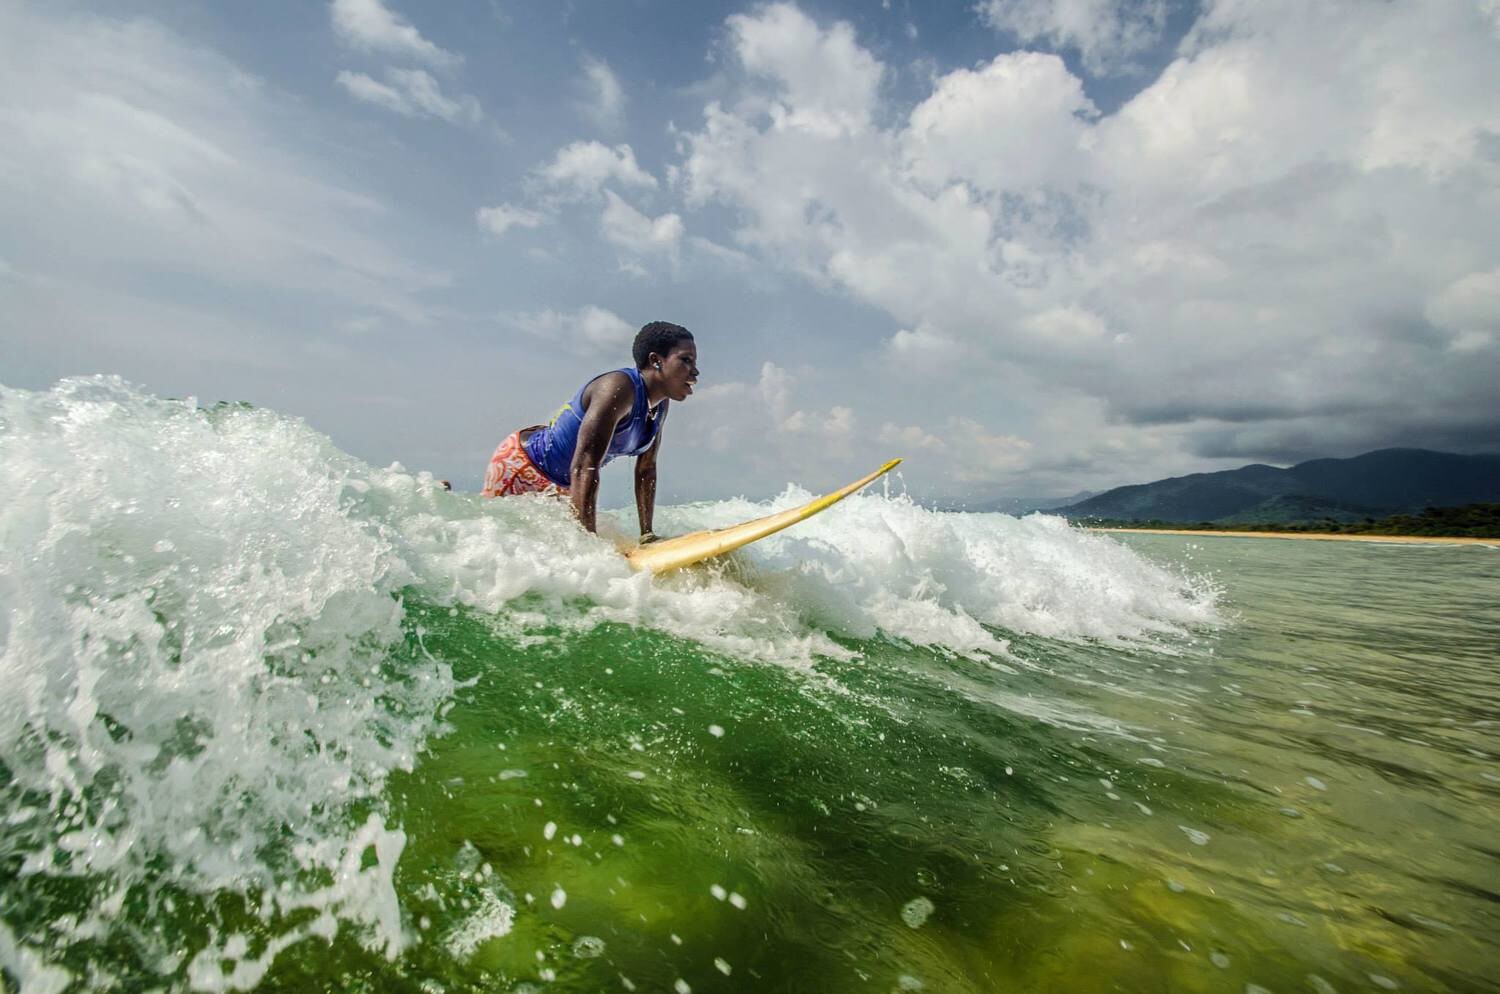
{"x": 679, "y": 370}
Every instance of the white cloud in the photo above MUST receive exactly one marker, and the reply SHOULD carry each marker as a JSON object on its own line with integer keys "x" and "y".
{"x": 1470, "y": 310}
{"x": 501, "y": 218}
{"x": 824, "y": 82}
{"x": 708, "y": 249}
{"x": 371, "y": 26}
{"x": 1067, "y": 328}
{"x": 1016, "y": 124}
{"x": 911, "y": 438}
{"x": 761, "y": 422}
{"x": 1302, "y": 180}
{"x": 775, "y": 391}
{"x": 1107, "y": 34}
{"x": 985, "y": 454}
{"x": 927, "y": 352}
{"x": 922, "y": 343}
{"x": 126, "y": 142}
{"x": 589, "y": 331}
{"x": 582, "y": 168}
{"x": 629, "y": 229}
{"x": 363, "y": 87}
{"x": 605, "y": 101}
{"x": 413, "y": 93}
{"x": 965, "y": 452}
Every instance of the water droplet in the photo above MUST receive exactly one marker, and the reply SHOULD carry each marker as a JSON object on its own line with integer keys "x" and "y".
{"x": 1196, "y": 837}
{"x": 588, "y": 947}
{"x": 914, "y": 913}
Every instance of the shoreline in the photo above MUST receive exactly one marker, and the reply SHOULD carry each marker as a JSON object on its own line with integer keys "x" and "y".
{"x": 1312, "y": 536}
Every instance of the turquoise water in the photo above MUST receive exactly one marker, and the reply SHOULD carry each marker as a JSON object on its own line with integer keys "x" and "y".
{"x": 277, "y": 720}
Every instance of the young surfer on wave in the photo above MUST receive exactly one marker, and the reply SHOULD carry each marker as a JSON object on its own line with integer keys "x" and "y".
{"x": 616, "y": 413}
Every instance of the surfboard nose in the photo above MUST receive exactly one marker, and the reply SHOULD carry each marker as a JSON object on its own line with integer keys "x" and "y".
{"x": 675, "y": 553}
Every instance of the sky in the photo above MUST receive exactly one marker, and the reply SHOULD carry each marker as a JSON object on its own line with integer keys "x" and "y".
{"x": 1031, "y": 246}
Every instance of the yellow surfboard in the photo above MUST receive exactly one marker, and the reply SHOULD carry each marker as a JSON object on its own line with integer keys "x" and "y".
{"x": 685, "y": 550}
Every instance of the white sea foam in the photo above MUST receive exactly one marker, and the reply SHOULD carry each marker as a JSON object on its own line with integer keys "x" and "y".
{"x": 197, "y": 609}
{"x": 492, "y": 920}
{"x": 876, "y": 564}
{"x": 192, "y": 627}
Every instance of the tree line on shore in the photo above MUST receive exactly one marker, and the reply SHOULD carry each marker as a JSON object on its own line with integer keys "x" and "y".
{"x": 1467, "y": 521}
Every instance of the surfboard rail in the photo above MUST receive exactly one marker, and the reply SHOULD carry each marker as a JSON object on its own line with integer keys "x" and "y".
{"x": 685, "y": 550}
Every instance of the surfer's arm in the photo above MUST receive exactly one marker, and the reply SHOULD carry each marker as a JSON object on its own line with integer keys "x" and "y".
{"x": 645, "y": 487}
{"x": 606, "y": 401}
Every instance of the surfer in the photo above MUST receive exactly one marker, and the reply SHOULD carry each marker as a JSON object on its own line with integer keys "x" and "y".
{"x": 616, "y": 413}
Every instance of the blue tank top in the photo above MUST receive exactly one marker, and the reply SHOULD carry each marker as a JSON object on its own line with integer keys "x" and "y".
{"x": 551, "y": 446}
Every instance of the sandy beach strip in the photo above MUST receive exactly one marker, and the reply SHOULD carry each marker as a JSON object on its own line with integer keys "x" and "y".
{"x": 1313, "y": 536}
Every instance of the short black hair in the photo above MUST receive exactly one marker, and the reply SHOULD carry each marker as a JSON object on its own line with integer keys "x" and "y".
{"x": 658, "y": 337}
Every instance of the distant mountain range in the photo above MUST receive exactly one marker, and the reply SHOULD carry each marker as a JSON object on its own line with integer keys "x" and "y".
{"x": 1387, "y": 481}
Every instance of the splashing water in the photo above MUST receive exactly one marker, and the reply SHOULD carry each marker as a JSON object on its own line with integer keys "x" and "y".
{"x": 197, "y": 642}
{"x": 276, "y": 719}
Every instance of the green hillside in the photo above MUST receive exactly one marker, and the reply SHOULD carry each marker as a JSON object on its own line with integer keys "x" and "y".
{"x": 1374, "y": 485}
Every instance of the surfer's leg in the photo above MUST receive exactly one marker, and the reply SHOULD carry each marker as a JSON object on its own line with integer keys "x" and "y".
{"x": 498, "y": 475}
{"x": 511, "y": 471}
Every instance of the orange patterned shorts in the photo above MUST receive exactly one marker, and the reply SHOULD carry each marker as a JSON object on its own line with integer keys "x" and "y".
{"x": 512, "y": 472}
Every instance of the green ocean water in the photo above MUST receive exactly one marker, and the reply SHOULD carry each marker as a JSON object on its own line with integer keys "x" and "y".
{"x": 1306, "y": 799}
{"x": 316, "y": 739}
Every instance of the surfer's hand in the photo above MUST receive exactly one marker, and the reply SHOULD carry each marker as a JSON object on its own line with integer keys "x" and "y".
{"x": 648, "y": 537}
